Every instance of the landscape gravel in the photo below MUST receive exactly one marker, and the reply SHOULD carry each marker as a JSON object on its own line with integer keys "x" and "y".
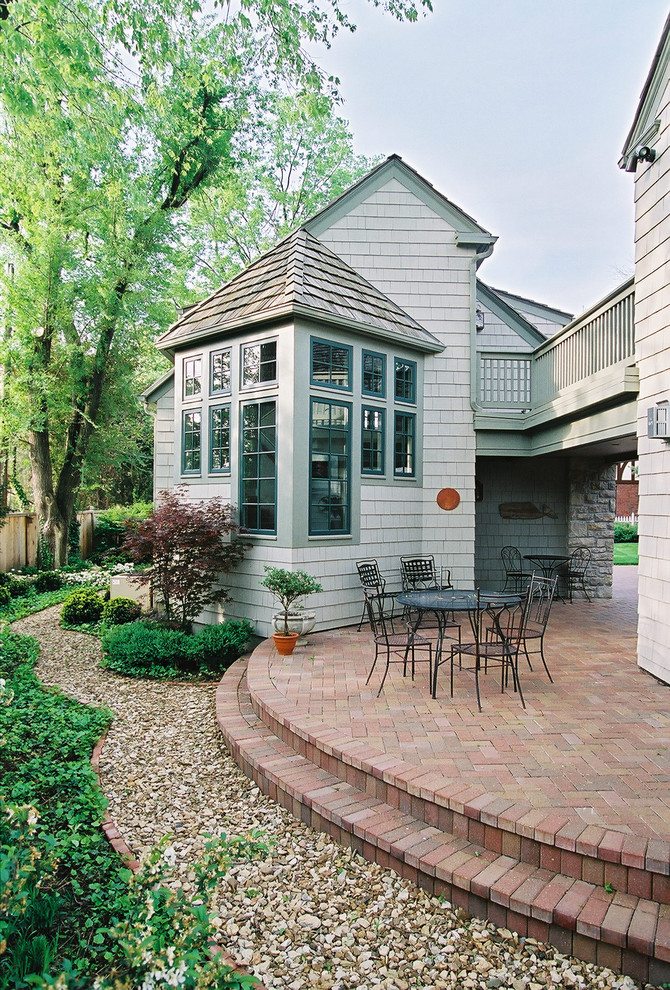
{"x": 311, "y": 914}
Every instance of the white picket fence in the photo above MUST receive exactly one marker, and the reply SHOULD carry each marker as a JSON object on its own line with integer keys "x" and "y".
{"x": 632, "y": 518}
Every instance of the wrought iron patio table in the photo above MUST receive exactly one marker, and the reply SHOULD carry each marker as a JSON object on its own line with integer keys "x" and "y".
{"x": 547, "y": 562}
{"x": 447, "y": 601}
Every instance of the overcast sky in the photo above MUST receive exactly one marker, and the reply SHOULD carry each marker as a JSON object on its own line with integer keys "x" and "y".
{"x": 517, "y": 111}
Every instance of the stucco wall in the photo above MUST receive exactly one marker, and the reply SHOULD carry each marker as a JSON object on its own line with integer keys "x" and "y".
{"x": 652, "y": 332}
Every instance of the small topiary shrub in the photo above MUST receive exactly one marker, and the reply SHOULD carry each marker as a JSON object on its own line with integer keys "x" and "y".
{"x": 82, "y": 606}
{"x": 48, "y": 581}
{"x": 141, "y": 649}
{"x": 119, "y": 611}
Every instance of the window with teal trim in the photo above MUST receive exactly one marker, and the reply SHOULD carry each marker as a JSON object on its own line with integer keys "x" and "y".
{"x": 331, "y": 364}
{"x": 258, "y": 498}
{"x": 191, "y": 441}
{"x": 372, "y": 441}
{"x": 192, "y": 377}
{"x": 404, "y": 452}
{"x": 219, "y": 438}
{"x": 219, "y": 374}
{"x": 405, "y": 380}
{"x": 374, "y": 374}
{"x": 330, "y": 465}
{"x": 259, "y": 363}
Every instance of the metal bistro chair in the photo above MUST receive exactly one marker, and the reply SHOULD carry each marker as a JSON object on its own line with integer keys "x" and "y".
{"x": 541, "y": 593}
{"x": 420, "y": 574}
{"x": 515, "y": 576}
{"x": 497, "y": 632}
{"x": 372, "y": 580}
{"x": 402, "y": 644}
{"x": 575, "y": 572}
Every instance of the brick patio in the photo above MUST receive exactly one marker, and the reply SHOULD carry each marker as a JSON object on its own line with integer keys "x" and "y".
{"x": 553, "y": 820}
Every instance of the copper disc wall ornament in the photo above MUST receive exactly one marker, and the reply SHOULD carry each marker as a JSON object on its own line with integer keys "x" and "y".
{"x": 448, "y": 498}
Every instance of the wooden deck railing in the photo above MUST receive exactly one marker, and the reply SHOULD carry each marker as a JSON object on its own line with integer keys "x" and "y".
{"x": 600, "y": 339}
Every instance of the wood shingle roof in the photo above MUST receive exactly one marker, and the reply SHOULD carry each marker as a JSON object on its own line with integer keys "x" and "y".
{"x": 299, "y": 276}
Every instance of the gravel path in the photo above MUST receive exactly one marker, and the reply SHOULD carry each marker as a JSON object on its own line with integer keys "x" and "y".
{"x": 312, "y": 914}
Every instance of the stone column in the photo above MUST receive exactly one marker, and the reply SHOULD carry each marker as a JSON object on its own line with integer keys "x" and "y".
{"x": 591, "y": 510}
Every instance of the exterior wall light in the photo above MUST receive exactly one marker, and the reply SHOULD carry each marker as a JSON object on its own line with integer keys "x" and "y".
{"x": 658, "y": 421}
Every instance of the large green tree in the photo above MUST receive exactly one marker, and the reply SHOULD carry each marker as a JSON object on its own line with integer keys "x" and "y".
{"x": 117, "y": 121}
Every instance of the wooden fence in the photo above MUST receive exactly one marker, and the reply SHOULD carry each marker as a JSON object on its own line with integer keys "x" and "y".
{"x": 19, "y": 537}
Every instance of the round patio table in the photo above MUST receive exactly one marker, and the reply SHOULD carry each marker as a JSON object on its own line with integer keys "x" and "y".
{"x": 444, "y": 602}
{"x": 547, "y": 562}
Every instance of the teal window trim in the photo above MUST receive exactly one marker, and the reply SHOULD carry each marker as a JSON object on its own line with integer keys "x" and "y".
{"x": 258, "y": 452}
{"x": 219, "y": 439}
{"x": 376, "y": 373}
{"x": 330, "y": 471}
{"x": 191, "y": 441}
{"x": 264, "y": 365}
{"x": 404, "y": 381}
{"x": 326, "y": 360}
{"x": 369, "y": 451}
{"x": 404, "y": 445}
{"x": 220, "y": 374}
{"x": 192, "y": 377}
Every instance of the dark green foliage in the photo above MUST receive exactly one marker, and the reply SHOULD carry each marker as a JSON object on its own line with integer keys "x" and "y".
{"x": 32, "y": 602}
{"x": 67, "y": 882}
{"x": 5, "y": 596}
{"x": 48, "y": 581}
{"x": 625, "y": 532}
{"x": 111, "y": 526}
{"x": 13, "y": 586}
{"x": 141, "y": 649}
{"x": 119, "y": 611}
{"x": 82, "y": 606}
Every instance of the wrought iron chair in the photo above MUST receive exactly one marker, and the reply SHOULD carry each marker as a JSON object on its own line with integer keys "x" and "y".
{"x": 575, "y": 572}
{"x": 515, "y": 576}
{"x": 401, "y": 644}
{"x": 372, "y": 580}
{"x": 497, "y": 630}
{"x": 421, "y": 574}
{"x": 541, "y": 593}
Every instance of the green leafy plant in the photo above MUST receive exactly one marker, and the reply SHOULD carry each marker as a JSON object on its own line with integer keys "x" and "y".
{"x": 289, "y": 587}
{"x": 118, "y": 611}
{"x": 48, "y": 581}
{"x": 625, "y": 532}
{"x": 82, "y": 606}
{"x": 141, "y": 649}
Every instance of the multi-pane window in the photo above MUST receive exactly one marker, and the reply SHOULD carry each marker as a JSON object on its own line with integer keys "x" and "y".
{"x": 192, "y": 377}
{"x": 219, "y": 380}
{"x": 404, "y": 452}
{"x": 219, "y": 438}
{"x": 259, "y": 468}
{"x": 191, "y": 441}
{"x": 259, "y": 363}
{"x": 330, "y": 439}
{"x": 405, "y": 380}
{"x": 374, "y": 374}
{"x": 331, "y": 364}
{"x": 372, "y": 441}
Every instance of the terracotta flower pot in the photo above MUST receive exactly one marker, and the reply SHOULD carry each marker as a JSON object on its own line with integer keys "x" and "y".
{"x": 284, "y": 644}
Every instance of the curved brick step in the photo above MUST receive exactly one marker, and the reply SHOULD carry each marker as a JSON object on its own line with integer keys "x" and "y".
{"x": 619, "y": 930}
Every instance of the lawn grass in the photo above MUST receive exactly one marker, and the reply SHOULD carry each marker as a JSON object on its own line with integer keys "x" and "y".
{"x": 625, "y": 553}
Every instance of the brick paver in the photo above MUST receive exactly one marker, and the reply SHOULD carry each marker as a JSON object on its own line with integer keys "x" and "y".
{"x": 591, "y": 750}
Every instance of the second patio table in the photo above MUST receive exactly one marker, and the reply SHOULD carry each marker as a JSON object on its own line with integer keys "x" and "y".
{"x": 547, "y": 562}
{"x": 443, "y": 602}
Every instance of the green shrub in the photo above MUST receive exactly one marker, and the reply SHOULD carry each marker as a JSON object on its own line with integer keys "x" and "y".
{"x": 5, "y": 596}
{"x": 119, "y": 611}
{"x": 625, "y": 532}
{"x": 48, "y": 581}
{"x": 15, "y": 587}
{"x": 141, "y": 649}
{"x": 82, "y": 606}
{"x": 111, "y": 527}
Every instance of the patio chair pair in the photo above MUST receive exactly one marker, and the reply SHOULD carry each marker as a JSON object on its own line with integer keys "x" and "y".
{"x": 500, "y": 631}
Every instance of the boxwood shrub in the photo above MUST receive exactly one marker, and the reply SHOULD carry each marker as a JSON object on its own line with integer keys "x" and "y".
{"x": 118, "y": 611}
{"x": 143, "y": 649}
{"x": 82, "y": 606}
{"x": 625, "y": 532}
{"x": 47, "y": 581}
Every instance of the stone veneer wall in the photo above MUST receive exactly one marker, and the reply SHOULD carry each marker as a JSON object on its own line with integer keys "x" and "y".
{"x": 591, "y": 509}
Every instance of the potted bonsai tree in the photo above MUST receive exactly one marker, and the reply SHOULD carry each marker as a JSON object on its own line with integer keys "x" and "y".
{"x": 288, "y": 587}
